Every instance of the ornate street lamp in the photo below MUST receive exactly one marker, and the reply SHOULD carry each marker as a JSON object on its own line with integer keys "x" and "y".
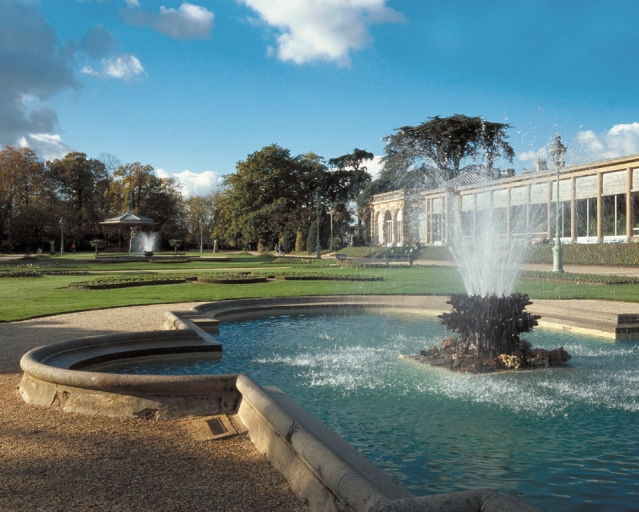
{"x": 61, "y": 236}
{"x": 558, "y": 151}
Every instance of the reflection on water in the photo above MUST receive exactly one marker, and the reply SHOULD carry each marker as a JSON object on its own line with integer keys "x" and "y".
{"x": 566, "y": 438}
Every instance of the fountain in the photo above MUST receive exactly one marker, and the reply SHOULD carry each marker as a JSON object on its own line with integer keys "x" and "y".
{"x": 146, "y": 243}
{"x": 489, "y": 317}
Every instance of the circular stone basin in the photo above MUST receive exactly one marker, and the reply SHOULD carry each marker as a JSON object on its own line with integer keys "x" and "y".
{"x": 73, "y": 374}
{"x": 68, "y": 375}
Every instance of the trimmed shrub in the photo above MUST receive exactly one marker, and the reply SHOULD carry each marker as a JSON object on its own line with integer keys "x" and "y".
{"x": 232, "y": 278}
{"x": 618, "y": 254}
{"x": 579, "y": 278}
{"x": 18, "y": 273}
{"x": 104, "y": 283}
{"x": 430, "y": 252}
{"x": 613, "y": 254}
{"x": 299, "y": 261}
{"x": 325, "y": 277}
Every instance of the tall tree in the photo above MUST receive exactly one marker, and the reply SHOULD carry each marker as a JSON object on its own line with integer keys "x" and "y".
{"x": 24, "y": 212}
{"x": 348, "y": 176}
{"x": 200, "y": 216}
{"x": 441, "y": 149}
{"x": 348, "y": 179}
{"x": 270, "y": 189}
{"x": 81, "y": 184}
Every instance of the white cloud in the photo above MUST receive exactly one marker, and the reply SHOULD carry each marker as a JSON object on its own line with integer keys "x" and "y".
{"x": 374, "y": 166}
{"x": 46, "y": 145}
{"x": 587, "y": 146}
{"x": 188, "y": 21}
{"x": 33, "y": 67}
{"x": 88, "y": 70}
{"x": 194, "y": 184}
{"x": 123, "y": 67}
{"x": 531, "y": 157}
{"x": 620, "y": 140}
{"x": 322, "y": 30}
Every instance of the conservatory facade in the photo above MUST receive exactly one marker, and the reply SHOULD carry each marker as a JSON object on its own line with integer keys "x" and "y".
{"x": 598, "y": 202}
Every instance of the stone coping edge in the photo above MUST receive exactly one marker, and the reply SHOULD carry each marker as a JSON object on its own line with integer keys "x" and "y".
{"x": 37, "y": 363}
{"x": 610, "y": 325}
{"x": 326, "y": 481}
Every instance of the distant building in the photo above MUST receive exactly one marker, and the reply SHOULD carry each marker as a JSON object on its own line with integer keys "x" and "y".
{"x": 599, "y": 202}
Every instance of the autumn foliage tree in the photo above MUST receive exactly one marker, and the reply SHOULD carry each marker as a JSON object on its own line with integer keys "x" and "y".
{"x": 25, "y": 209}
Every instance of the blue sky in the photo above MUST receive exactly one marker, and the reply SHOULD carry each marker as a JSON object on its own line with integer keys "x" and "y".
{"x": 191, "y": 88}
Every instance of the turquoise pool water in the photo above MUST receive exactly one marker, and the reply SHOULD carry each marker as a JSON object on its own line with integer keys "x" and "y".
{"x": 567, "y": 439}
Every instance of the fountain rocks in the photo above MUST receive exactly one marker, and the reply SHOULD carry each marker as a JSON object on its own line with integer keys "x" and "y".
{"x": 489, "y": 328}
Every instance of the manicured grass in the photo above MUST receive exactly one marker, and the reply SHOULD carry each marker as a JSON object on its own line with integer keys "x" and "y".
{"x": 26, "y": 298}
{"x": 22, "y": 298}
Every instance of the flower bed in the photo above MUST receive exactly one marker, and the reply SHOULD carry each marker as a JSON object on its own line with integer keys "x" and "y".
{"x": 298, "y": 261}
{"x": 325, "y": 277}
{"x": 18, "y": 273}
{"x": 105, "y": 283}
{"x": 232, "y": 278}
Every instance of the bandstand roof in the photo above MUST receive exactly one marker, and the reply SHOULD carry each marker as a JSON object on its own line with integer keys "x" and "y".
{"x": 129, "y": 219}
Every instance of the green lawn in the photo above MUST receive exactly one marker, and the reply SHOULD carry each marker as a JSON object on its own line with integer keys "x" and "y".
{"x": 22, "y": 298}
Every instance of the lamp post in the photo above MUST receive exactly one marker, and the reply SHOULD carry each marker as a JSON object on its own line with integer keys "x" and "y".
{"x": 332, "y": 207}
{"x": 201, "y": 241}
{"x": 558, "y": 151}
{"x": 61, "y": 236}
{"x": 317, "y": 222}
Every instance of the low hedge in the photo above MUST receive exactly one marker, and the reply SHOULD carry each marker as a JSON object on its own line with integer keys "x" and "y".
{"x": 579, "y": 278}
{"x": 613, "y": 254}
{"x": 298, "y": 261}
{"x": 325, "y": 277}
{"x": 35, "y": 266}
{"x": 430, "y": 252}
{"x": 232, "y": 278}
{"x": 104, "y": 283}
{"x": 167, "y": 260}
{"x": 19, "y": 273}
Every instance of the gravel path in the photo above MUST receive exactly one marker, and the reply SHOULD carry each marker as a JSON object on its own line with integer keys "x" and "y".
{"x": 56, "y": 461}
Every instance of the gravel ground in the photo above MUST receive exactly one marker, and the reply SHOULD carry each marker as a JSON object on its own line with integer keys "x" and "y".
{"x": 51, "y": 460}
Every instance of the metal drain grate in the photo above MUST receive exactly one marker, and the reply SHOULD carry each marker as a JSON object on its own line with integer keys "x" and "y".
{"x": 216, "y": 426}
